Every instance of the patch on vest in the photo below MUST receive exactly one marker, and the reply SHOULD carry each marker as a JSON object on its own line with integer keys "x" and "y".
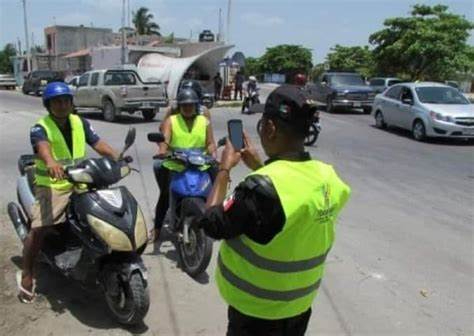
{"x": 229, "y": 201}
{"x": 328, "y": 209}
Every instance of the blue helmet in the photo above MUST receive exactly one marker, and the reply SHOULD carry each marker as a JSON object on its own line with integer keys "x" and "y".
{"x": 55, "y": 89}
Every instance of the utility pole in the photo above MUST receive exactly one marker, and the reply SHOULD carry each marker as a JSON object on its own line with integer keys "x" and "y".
{"x": 229, "y": 4}
{"x": 128, "y": 13}
{"x": 28, "y": 57}
{"x": 123, "y": 60}
{"x": 219, "y": 28}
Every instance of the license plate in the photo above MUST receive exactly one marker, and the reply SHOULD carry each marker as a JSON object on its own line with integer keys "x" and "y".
{"x": 357, "y": 104}
{"x": 43, "y": 82}
{"x": 468, "y": 131}
{"x": 146, "y": 105}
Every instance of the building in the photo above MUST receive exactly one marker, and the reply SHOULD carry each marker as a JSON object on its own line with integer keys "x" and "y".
{"x": 64, "y": 40}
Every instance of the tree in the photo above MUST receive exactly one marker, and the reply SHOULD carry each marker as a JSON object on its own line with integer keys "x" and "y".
{"x": 317, "y": 71}
{"x": 357, "y": 59}
{"x": 252, "y": 66}
{"x": 169, "y": 38}
{"x": 143, "y": 22}
{"x": 431, "y": 44}
{"x": 6, "y": 65}
{"x": 286, "y": 59}
{"x": 37, "y": 49}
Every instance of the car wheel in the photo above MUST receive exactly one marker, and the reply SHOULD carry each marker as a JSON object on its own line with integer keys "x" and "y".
{"x": 329, "y": 106}
{"x": 379, "y": 120}
{"x": 419, "y": 130}
{"x": 148, "y": 115}
{"x": 108, "y": 110}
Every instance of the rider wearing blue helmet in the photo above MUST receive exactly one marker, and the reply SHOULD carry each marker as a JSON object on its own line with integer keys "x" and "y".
{"x": 58, "y": 139}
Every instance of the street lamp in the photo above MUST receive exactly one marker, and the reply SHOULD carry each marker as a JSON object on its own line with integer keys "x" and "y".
{"x": 28, "y": 65}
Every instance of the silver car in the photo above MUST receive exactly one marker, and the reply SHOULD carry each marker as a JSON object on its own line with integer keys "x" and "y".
{"x": 426, "y": 109}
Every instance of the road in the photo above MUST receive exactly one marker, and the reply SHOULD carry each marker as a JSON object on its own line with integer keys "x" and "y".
{"x": 402, "y": 263}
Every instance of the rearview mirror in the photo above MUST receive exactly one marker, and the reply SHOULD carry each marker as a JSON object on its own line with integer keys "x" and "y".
{"x": 129, "y": 139}
{"x": 156, "y": 137}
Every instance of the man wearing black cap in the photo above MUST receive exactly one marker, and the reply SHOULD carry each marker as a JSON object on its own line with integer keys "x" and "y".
{"x": 277, "y": 226}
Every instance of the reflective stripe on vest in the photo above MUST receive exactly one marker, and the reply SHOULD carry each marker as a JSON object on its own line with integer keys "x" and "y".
{"x": 60, "y": 150}
{"x": 280, "y": 279}
{"x": 182, "y": 138}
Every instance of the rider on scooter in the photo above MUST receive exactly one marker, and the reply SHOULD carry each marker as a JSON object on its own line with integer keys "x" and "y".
{"x": 185, "y": 130}
{"x": 251, "y": 85}
{"x": 251, "y": 88}
{"x": 58, "y": 139}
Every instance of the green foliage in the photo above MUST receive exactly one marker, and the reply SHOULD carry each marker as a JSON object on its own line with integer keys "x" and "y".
{"x": 143, "y": 22}
{"x": 431, "y": 44}
{"x": 252, "y": 66}
{"x": 286, "y": 59}
{"x": 317, "y": 70}
{"x": 169, "y": 38}
{"x": 358, "y": 59}
{"x": 6, "y": 65}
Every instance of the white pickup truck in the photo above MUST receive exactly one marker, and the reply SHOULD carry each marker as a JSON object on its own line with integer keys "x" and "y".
{"x": 114, "y": 91}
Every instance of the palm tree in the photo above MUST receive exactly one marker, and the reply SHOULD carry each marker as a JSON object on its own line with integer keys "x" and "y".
{"x": 142, "y": 20}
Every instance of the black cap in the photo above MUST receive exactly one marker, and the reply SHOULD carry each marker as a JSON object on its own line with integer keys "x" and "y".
{"x": 288, "y": 102}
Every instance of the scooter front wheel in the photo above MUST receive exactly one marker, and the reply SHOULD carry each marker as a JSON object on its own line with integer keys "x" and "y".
{"x": 194, "y": 247}
{"x": 128, "y": 301}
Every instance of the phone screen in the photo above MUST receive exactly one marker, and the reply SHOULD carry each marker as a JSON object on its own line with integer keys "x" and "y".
{"x": 236, "y": 135}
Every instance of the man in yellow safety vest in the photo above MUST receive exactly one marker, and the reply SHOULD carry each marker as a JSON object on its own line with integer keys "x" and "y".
{"x": 58, "y": 139}
{"x": 277, "y": 226}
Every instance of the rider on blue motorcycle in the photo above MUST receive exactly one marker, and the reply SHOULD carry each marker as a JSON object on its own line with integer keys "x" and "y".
{"x": 185, "y": 130}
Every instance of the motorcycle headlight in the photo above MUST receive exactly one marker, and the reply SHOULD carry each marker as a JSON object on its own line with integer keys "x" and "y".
{"x": 124, "y": 171}
{"x": 116, "y": 239}
{"x": 80, "y": 176}
{"x": 140, "y": 230}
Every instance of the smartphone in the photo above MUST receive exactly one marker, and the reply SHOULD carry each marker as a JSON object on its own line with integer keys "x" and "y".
{"x": 236, "y": 134}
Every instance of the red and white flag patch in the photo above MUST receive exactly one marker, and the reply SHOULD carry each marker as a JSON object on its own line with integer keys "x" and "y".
{"x": 229, "y": 201}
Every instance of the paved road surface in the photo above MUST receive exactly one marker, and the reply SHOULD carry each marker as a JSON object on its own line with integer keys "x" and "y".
{"x": 402, "y": 262}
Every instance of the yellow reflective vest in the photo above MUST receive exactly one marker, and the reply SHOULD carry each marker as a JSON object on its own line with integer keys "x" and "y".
{"x": 60, "y": 150}
{"x": 281, "y": 279}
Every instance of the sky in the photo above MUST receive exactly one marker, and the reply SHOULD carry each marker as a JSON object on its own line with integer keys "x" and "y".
{"x": 254, "y": 25}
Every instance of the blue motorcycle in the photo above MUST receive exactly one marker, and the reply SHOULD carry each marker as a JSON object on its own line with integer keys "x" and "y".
{"x": 188, "y": 193}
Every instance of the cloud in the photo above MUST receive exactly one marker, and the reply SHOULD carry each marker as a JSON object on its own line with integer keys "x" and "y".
{"x": 261, "y": 20}
{"x": 73, "y": 19}
{"x": 195, "y": 22}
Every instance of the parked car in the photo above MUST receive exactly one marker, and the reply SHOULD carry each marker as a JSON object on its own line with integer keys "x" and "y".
{"x": 7, "y": 81}
{"x": 116, "y": 91}
{"x": 73, "y": 83}
{"x": 380, "y": 84}
{"x": 427, "y": 109}
{"x": 37, "y": 80}
{"x": 453, "y": 84}
{"x": 342, "y": 90}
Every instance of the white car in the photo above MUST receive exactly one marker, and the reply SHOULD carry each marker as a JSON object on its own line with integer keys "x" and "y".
{"x": 426, "y": 109}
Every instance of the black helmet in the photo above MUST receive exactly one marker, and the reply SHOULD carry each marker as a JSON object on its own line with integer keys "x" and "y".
{"x": 194, "y": 85}
{"x": 187, "y": 96}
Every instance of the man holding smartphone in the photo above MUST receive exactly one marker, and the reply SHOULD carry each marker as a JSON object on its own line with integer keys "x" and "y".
{"x": 277, "y": 226}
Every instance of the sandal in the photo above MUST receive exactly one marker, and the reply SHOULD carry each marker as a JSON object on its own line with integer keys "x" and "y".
{"x": 25, "y": 296}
